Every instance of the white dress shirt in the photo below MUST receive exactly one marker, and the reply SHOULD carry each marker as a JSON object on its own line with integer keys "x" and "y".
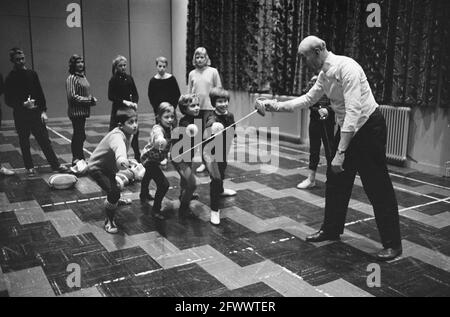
{"x": 344, "y": 82}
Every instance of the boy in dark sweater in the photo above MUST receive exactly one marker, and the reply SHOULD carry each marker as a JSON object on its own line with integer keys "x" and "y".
{"x": 23, "y": 93}
{"x": 216, "y": 151}
{"x": 163, "y": 87}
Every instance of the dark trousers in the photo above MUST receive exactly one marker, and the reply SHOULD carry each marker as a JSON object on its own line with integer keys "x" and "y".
{"x": 320, "y": 131}
{"x": 78, "y": 138}
{"x": 365, "y": 155}
{"x": 108, "y": 183}
{"x": 187, "y": 182}
{"x": 0, "y": 127}
{"x": 204, "y": 114}
{"x": 217, "y": 173}
{"x": 134, "y": 140}
{"x": 0, "y": 124}
{"x": 28, "y": 124}
{"x": 153, "y": 171}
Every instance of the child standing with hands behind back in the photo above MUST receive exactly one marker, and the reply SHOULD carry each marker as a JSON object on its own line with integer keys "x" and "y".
{"x": 123, "y": 93}
{"x": 108, "y": 158}
{"x": 201, "y": 80}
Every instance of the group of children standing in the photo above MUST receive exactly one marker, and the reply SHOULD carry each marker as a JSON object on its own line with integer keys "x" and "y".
{"x": 204, "y": 110}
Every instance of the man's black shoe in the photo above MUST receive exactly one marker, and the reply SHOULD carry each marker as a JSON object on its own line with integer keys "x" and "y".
{"x": 321, "y": 236}
{"x": 389, "y": 254}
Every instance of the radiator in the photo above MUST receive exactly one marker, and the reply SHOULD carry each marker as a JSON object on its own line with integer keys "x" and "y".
{"x": 397, "y": 121}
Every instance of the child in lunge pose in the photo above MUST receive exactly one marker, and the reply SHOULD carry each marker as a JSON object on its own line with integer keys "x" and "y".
{"x": 154, "y": 152}
{"x": 108, "y": 158}
{"x": 216, "y": 156}
{"x": 189, "y": 127}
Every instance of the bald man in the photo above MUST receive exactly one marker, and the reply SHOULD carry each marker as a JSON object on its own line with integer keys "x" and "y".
{"x": 360, "y": 146}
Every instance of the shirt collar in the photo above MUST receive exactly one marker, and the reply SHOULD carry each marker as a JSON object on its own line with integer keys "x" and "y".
{"x": 329, "y": 65}
{"x": 221, "y": 114}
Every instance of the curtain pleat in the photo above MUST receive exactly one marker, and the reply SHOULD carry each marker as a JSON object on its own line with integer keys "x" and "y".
{"x": 254, "y": 44}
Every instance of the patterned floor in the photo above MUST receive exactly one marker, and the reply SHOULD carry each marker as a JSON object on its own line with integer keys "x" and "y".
{"x": 259, "y": 250}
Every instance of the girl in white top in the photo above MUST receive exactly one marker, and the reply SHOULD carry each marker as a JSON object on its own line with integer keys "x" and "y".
{"x": 201, "y": 80}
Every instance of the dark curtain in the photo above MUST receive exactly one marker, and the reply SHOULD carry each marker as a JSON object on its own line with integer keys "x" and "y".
{"x": 254, "y": 44}
{"x": 225, "y": 29}
{"x": 421, "y": 55}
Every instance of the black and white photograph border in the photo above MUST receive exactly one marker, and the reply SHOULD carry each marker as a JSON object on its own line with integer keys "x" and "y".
{"x": 332, "y": 123}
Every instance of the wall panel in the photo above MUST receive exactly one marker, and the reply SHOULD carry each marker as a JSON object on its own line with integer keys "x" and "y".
{"x": 105, "y": 27}
{"x": 150, "y": 37}
{"x": 14, "y": 32}
{"x": 179, "y": 37}
{"x": 53, "y": 44}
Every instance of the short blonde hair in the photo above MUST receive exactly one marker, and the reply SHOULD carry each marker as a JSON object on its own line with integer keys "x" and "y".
{"x": 162, "y": 59}
{"x": 162, "y": 109}
{"x": 186, "y": 100}
{"x": 201, "y": 50}
{"x": 116, "y": 62}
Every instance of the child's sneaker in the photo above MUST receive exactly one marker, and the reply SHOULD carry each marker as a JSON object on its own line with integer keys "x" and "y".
{"x": 215, "y": 217}
{"x": 228, "y": 193}
{"x": 6, "y": 172}
{"x": 61, "y": 169}
{"x": 124, "y": 202}
{"x": 306, "y": 184}
{"x": 157, "y": 213}
{"x": 110, "y": 226}
{"x": 195, "y": 196}
{"x": 186, "y": 212}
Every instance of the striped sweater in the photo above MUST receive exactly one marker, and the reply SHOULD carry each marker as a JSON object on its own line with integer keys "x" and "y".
{"x": 78, "y": 96}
